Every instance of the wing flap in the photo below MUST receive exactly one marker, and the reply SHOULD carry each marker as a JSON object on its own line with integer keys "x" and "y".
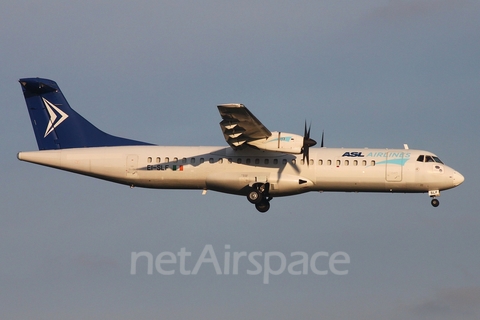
{"x": 239, "y": 125}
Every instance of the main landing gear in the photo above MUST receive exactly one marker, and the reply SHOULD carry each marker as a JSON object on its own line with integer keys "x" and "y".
{"x": 258, "y": 195}
{"x": 435, "y": 202}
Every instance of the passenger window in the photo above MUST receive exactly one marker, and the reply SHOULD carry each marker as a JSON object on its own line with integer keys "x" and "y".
{"x": 347, "y": 162}
{"x": 230, "y": 160}
{"x": 355, "y": 162}
{"x": 202, "y": 160}
{"x": 167, "y": 159}
{"x": 364, "y": 163}
{"x": 248, "y": 161}
{"x": 275, "y": 161}
{"x": 329, "y": 162}
{"x": 192, "y": 160}
{"x": 184, "y": 160}
{"x": 320, "y": 162}
{"x": 302, "y": 162}
{"x": 311, "y": 161}
{"x": 294, "y": 161}
{"x": 338, "y": 163}
{"x": 284, "y": 161}
{"x": 420, "y": 158}
{"x": 149, "y": 159}
{"x": 266, "y": 161}
{"x": 220, "y": 160}
{"x": 210, "y": 160}
{"x": 239, "y": 160}
{"x": 373, "y": 162}
{"x": 175, "y": 159}
{"x": 158, "y": 160}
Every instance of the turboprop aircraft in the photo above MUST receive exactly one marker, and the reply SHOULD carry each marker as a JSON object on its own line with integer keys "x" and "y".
{"x": 258, "y": 163}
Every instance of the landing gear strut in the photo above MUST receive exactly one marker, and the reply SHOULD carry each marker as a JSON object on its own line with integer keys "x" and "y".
{"x": 434, "y": 194}
{"x": 259, "y": 196}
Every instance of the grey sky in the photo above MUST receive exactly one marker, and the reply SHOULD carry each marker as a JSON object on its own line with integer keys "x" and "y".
{"x": 371, "y": 73}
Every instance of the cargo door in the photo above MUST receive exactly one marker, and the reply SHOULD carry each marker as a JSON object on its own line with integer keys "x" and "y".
{"x": 132, "y": 166}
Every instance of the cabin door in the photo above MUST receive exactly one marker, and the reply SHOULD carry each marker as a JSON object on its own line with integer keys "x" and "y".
{"x": 393, "y": 168}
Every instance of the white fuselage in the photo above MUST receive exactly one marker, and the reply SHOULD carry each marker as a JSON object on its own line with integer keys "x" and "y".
{"x": 226, "y": 170}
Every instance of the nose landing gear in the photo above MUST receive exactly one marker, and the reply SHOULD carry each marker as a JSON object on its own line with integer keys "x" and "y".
{"x": 434, "y": 194}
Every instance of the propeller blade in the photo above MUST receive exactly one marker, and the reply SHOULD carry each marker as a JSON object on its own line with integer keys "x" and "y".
{"x": 306, "y": 155}
{"x": 307, "y": 143}
{"x": 322, "y": 145}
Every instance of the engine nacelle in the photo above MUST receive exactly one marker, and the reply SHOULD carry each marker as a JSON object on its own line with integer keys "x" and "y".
{"x": 280, "y": 142}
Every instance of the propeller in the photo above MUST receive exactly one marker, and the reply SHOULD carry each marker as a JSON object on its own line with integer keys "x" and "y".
{"x": 321, "y": 144}
{"x": 307, "y": 143}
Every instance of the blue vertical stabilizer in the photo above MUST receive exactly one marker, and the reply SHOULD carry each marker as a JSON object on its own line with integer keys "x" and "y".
{"x": 56, "y": 125}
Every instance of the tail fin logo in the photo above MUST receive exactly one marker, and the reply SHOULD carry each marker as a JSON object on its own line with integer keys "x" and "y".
{"x": 57, "y": 116}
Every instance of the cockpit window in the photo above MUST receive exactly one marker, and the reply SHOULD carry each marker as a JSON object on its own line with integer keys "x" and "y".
{"x": 424, "y": 158}
{"x": 437, "y": 160}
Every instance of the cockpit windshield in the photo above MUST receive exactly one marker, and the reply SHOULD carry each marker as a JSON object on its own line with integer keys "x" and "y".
{"x": 427, "y": 158}
{"x": 437, "y": 159}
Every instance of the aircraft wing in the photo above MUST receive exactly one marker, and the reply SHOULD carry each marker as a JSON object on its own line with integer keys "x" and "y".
{"x": 240, "y": 126}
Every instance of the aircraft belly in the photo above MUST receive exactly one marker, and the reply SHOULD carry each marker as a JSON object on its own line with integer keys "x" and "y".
{"x": 234, "y": 182}
{"x": 241, "y": 182}
{"x": 171, "y": 181}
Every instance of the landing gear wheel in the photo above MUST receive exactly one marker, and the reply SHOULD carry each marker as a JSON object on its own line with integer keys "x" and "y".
{"x": 263, "y": 206}
{"x": 435, "y": 202}
{"x": 254, "y": 196}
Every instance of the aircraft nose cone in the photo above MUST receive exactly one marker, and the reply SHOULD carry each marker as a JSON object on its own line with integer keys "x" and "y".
{"x": 458, "y": 178}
